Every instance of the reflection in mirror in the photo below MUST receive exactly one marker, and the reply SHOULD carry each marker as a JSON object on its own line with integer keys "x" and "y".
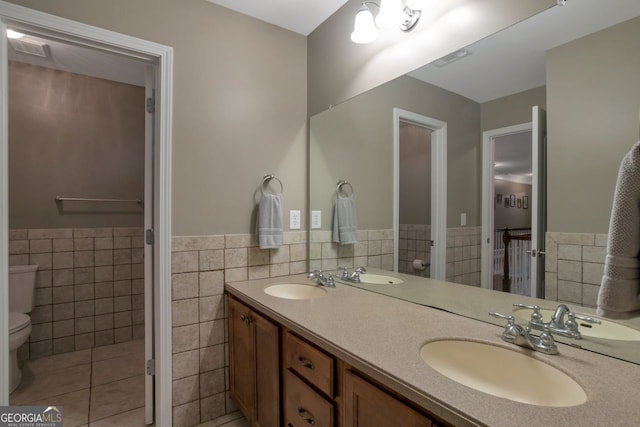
{"x": 354, "y": 141}
{"x": 414, "y": 250}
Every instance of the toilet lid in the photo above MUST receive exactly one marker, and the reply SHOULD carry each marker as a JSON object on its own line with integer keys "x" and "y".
{"x": 18, "y": 321}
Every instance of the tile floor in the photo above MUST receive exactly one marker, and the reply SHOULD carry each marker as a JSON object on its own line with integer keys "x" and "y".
{"x": 99, "y": 387}
{"x": 231, "y": 420}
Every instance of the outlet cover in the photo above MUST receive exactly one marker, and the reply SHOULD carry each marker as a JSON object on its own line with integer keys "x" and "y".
{"x": 294, "y": 220}
{"x": 316, "y": 219}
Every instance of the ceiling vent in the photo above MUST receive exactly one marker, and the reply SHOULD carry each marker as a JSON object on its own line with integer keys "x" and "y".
{"x": 30, "y": 47}
{"x": 452, "y": 57}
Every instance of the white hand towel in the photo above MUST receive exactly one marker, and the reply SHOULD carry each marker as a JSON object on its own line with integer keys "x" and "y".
{"x": 345, "y": 223}
{"x": 269, "y": 221}
{"x": 619, "y": 294}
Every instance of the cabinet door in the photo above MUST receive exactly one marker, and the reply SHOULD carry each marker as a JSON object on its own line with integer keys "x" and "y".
{"x": 242, "y": 357}
{"x": 267, "y": 350}
{"x": 365, "y": 405}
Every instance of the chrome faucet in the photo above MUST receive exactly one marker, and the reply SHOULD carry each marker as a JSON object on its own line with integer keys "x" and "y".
{"x": 319, "y": 276}
{"x": 354, "y": 276}
{"x": 518, "y": 335}
{"x": 558, "y": 325}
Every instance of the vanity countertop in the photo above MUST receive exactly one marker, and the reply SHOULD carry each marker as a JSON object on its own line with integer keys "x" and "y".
{"x": 382, "y": 336}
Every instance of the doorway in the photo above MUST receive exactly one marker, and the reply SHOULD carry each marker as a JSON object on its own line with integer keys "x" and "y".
{"x": 156, "y": 244}
{"x": 420, "y": 146}
{"x": 514, "y": 207}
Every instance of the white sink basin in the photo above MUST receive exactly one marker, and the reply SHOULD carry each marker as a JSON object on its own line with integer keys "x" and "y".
{"x": 503, "y": 373}
{"x": 379, "y": 279}
{"x": 608, "y": 330}
{"x": 295, "y": 291}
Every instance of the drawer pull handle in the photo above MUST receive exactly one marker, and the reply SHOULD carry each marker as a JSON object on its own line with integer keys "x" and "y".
{"x": 306, "y": 363}
{"x": 245, "y": 319}
{"x": 306, "y": 415}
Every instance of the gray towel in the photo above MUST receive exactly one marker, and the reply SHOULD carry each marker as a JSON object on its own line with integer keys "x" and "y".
{"x": 269, "y": 221}
{"x": 345, "y": 224}
{"x": 619, "y": 294}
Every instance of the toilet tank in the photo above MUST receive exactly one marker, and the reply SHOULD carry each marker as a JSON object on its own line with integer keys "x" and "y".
{"x": 22, "y": 284}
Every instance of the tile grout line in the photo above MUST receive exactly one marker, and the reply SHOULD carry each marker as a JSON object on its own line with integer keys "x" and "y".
{"x": 90, "y": 389}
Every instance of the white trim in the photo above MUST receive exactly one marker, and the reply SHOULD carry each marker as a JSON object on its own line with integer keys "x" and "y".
{"x": 538, "y": 199}
{"x": 4, "y": 224}
{"x": 488, "y": 158}
{"x": 438, "y": 188}
{"x": 149, "y": 131}
{"x": 163, "y": 56}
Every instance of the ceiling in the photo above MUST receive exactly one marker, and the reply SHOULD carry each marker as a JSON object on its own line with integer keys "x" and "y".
{"x": 300, "y": 16}
{"x": 513, "y": 60}
{"x": 512, "y": 161}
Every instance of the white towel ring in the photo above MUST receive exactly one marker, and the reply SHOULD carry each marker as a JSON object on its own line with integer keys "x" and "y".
{"x": 340, "y": 190}
{"x": 267, "y": 179}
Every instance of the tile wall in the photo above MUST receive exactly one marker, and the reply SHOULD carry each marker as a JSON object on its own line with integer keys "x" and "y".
{"x": 373, "y": 249}
{"x": 89, "y": 287}
{"x": 414, "y": 242}
{"x": 574, "y": 265}
{"x": 463, "y": 255}
{"x": 200, "y": 267}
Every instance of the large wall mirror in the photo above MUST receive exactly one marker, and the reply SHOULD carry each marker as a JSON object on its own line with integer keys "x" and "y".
{"x": 413, "y": 156}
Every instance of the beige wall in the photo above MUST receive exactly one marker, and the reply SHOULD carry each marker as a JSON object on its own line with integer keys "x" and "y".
{"x": 74, "y": 136}
{"x": 415, "y": 175}
{"x": 354, "y": 141}
{"x": 339, "y": 69}
{"x": 239, "y": 107}
{"x": 593, "y": 102}
{"x": 512, "y": 110}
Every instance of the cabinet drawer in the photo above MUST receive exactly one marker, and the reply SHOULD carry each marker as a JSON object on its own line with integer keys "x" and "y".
{"x": 304, "y": 407}
{"x": 311, "y": 363}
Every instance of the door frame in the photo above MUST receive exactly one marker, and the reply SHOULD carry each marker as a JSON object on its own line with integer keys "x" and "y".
{"x": 488, "y": 195}
{"x": 438, "y": 188}
{"x": 162, "y": 56}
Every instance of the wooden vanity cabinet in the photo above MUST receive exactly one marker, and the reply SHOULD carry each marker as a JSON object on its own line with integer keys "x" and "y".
{"x": 254, "y": 354}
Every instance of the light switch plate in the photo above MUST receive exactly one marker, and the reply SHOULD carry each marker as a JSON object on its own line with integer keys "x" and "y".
{"x": 294, "y": 220}
{"x": 316, "y": 219}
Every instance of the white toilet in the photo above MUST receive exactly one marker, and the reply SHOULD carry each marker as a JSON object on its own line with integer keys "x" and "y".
{"x": 22, "y": 284}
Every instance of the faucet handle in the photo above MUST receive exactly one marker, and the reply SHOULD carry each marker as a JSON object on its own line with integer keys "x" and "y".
{"x": 360, "y": 270}
{"x": 330, "y": 280}
{"x": 510, "y": 319}
{"x": 536, "y": 316}
{"x": 585, "y": 318}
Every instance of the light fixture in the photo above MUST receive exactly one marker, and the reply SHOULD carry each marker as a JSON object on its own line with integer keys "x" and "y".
{"x": 393, "y": 13}
{"x": 14, "y": 34}
{"x": 364, "y": 30}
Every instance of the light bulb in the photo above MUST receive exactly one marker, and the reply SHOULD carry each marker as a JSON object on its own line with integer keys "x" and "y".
{"x": 364, "y": 30}
{"x": 390, "y": 15}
